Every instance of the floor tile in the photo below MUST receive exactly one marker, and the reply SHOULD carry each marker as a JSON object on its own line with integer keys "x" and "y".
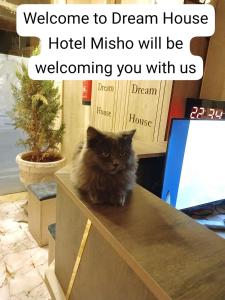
{"x": 22, "y": 261}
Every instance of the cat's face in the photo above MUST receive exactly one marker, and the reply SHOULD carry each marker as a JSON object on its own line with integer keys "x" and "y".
{"x": 110, "y": 152}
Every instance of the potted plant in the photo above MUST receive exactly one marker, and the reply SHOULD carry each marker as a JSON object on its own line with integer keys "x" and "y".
{"x": 35, "y": 111}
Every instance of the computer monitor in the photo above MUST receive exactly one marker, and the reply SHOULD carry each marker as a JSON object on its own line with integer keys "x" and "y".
{"x": 195, "y": 163}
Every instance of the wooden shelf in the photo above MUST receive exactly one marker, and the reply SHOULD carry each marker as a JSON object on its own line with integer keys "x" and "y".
{"x": 149, "y": 150}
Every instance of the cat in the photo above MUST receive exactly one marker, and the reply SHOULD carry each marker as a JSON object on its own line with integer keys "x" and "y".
{"x": 104, "y": 167}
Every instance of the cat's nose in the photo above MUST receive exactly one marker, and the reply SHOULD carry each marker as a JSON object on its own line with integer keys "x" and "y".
{"x": 115, "y": 163}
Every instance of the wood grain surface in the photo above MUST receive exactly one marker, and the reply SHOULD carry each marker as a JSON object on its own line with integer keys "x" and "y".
{"x": 173, "y": 255}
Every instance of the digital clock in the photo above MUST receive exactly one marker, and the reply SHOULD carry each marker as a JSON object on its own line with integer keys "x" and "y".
{"x": 205, "y": 109}
{"x": 206, "y": 113}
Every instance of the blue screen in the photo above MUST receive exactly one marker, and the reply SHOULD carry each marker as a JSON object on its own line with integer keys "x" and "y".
{"x": 195, "y": 163}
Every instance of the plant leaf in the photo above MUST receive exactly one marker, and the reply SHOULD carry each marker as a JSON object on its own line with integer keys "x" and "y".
{"x": 39, "y": 97}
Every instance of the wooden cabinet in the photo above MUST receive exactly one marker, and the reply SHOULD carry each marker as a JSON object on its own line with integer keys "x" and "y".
{"x": 125, "y": 105}
{"x": 145, "y": 250}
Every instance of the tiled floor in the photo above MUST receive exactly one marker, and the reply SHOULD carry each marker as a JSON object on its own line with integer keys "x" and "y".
{"x": 22, "y": 262}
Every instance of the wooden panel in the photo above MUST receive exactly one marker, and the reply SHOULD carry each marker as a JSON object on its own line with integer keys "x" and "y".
{"x": 8, "y": 24}
{"x": 147, "y": 102}
{"x": 69, "y": 231}
{"x": 167, "y": 250}
{"x": 142, "y": 108}
{"x": 74, "y": 119}
{"x": 162, "y": 116}
{"x": 120, "y": 105}
{"x": 73, "y": 116}
{"x": 102, "y": 274}
{"x": 104, "y": 104}
{"x": 213, "y": 84}
{"x": 125, "y": 105}
{"x": 183, "y": 89}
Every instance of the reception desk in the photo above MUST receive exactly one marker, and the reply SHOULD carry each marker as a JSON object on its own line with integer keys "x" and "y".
{"x": 143, "y": 251}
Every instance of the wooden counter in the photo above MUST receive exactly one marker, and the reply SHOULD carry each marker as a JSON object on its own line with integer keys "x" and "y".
{"x": 145, "y": 250}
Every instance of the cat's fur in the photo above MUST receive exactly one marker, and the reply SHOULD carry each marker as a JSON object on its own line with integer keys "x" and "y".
{"x": 104, "y": 166}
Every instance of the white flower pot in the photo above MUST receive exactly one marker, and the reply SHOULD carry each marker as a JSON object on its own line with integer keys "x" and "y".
{"x": 33, "y": 172}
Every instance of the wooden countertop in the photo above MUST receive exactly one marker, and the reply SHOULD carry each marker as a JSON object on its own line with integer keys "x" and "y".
{"x": 172, "y": 254}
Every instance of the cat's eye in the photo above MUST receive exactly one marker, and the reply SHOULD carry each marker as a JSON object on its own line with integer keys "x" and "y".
{"x": 105, "y": 154}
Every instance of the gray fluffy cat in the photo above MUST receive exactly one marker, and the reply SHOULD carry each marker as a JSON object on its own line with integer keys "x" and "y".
{"x": 104, "y": 167}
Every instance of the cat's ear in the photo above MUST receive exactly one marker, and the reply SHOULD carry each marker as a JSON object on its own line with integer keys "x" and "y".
{"x": 128, "y": 135}
{"x": 93, "y": 135}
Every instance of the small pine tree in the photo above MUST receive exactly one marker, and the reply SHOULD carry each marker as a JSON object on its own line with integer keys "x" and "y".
{"x": 35, "y": 111}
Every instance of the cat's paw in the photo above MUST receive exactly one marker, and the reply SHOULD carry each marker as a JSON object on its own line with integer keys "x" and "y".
{"x": 119, "y": 199}
{"x": 122, "y": 200}
{"x": 94, "y": 199}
